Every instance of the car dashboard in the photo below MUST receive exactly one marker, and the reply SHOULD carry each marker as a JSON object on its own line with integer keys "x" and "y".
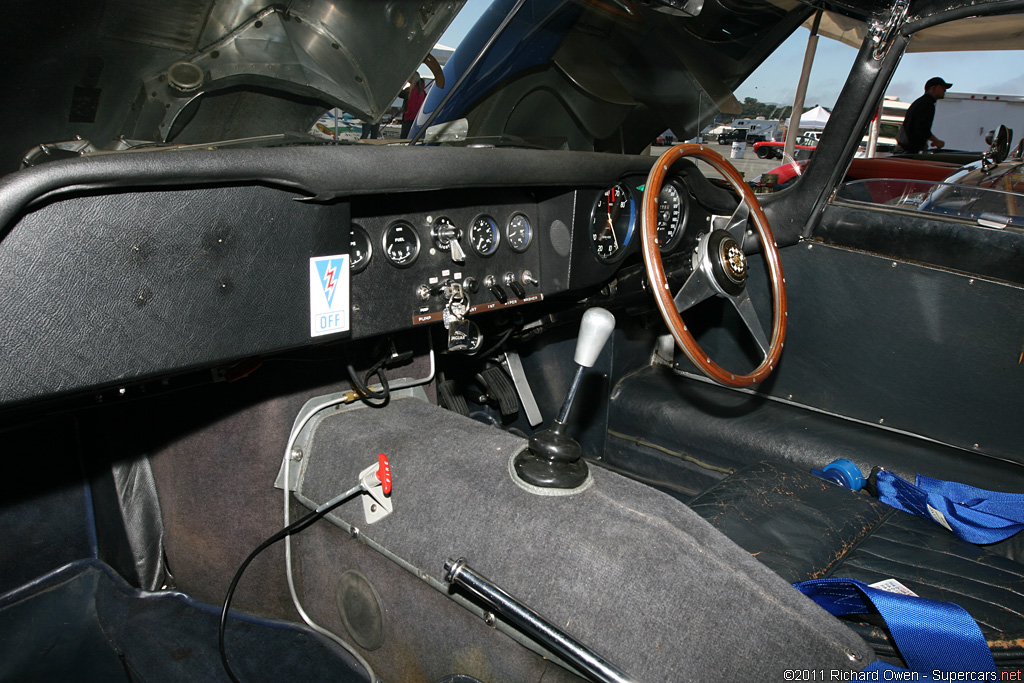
{"x": 193, "y": 259}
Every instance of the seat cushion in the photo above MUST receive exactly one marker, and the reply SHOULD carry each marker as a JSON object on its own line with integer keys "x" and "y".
{"x": 803, "y": 528}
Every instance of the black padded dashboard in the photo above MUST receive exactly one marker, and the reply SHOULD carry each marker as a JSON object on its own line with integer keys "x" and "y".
{"x": 122, "y": 267}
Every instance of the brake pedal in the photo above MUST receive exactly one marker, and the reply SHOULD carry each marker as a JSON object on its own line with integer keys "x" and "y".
{"x": 500, "y": 388}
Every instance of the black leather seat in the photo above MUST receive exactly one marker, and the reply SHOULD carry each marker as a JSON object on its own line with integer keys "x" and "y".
{"x": 803, "y": 528}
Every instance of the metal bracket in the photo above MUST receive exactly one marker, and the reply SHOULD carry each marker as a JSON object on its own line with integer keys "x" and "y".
{"x": 883, "y": 35}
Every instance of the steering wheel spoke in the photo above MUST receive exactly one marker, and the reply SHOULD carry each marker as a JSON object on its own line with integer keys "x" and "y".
{"x": 737, "y": 226}
{"x": 694, "y": 290}
{"x": 745, "y": 308}
{"x": 720, "y": 268}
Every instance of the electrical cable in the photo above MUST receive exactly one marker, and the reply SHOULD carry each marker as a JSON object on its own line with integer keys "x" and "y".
{"x": 289, "y": 529}
{"x": 362, "y": 385}
{"x": 297, "y": 428}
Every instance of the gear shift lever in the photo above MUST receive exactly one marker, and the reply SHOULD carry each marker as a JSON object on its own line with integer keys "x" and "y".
{"x": 553, "y": 459}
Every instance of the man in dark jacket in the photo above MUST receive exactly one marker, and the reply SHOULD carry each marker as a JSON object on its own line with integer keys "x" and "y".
{"x": 916, "y": 131}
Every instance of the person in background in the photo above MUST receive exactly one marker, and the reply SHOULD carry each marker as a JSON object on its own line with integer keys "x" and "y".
{"x": 916, "y": 131}
{"x": 413, "y": 102}
{"x": 370, "y": 131}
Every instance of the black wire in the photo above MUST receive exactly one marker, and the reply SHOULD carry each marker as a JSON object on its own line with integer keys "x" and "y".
{"x": 362, "y": 385}
{"x": 494, "y": 347}
{"x": 292, "y": 528}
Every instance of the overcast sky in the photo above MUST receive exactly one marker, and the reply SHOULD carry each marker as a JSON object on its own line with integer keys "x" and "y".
{"x": 775, "y": 81}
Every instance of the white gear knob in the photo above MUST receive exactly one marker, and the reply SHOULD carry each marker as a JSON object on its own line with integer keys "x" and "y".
{"x": 595, "y": 328}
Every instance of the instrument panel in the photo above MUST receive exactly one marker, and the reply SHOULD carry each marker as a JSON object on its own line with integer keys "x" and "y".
{"x": 448, "y": 256}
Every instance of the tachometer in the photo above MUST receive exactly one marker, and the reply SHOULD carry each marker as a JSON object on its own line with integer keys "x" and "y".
{"x": 671, "y": 215}
{"x": 484, "y": 235}
{"x": 401, "y": 244}
{"x": 613, "y": 222}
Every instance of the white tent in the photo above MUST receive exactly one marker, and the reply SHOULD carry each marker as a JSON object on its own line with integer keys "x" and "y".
{"x": 814, "y": 119}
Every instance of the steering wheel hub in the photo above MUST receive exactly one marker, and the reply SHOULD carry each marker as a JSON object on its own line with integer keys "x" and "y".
{"x": 734, "y": 261}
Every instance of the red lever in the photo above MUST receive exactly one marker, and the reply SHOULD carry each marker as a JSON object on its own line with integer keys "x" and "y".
{"x": 384, "y": 474}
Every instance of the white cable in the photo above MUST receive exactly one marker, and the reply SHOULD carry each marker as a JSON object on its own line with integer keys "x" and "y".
{"x": 401, "y": 384}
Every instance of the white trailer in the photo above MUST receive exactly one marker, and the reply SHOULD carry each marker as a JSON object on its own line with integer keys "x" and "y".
{"x": 962, "y": 120}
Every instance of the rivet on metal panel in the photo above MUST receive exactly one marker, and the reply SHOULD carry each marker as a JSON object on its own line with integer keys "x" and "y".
{"x": 893, "y": 264}
{"x": 881, "y": 420}
{"x": 489, "y": 619}
{"x": 296, "y": 454}
{"x": 854, "y": 656}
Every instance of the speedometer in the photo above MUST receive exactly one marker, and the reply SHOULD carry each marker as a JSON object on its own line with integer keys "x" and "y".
{"x": 671, "y": 215}
{"x": 613, "y": 222}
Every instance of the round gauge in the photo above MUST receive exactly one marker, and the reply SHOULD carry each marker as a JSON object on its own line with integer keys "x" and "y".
{"x": 671, "y": 216}
{"x": 613, "y": 222}
{"x": 519, "y": 233}
{"x": 484, "y": 235}
{"x": 401, "y": 244}
{"x": 360, "y": 251}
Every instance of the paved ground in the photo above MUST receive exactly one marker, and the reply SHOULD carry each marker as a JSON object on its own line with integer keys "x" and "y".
{"x": 750, "y": 166}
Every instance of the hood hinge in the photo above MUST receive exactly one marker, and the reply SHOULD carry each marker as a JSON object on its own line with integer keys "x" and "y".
{"x": 883, "y": 34}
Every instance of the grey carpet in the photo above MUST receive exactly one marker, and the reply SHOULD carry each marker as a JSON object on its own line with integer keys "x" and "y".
{"x": 629, "y": 571}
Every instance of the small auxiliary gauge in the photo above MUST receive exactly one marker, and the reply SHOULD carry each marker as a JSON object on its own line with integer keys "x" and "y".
{"x": 401, "y": 244}
{"x": 360, "y": 250}
{"x": 484, "y": 235}
{"x": 519, "y": 233}
{"x": 613, "y": 222}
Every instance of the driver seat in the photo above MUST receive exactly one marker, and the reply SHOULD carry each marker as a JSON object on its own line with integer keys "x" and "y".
{"x": 803, "y": 527}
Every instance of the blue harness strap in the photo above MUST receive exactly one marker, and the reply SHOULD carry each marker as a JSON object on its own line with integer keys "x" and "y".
{"x": 973, "y": 514}
{"x": 930, "y": 635}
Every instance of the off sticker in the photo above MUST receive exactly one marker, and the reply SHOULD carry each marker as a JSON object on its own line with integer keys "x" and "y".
{"x": 328, "y": 295}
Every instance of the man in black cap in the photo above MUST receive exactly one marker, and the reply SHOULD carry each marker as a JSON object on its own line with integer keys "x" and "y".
{"x": 916, "y": 131}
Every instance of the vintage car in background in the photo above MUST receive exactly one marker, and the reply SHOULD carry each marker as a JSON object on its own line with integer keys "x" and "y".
{"x": 770, "y": 149}
{"x": 516, "y": 401}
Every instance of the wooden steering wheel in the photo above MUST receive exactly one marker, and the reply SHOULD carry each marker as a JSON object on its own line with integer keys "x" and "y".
{"x": 719, "y": 268}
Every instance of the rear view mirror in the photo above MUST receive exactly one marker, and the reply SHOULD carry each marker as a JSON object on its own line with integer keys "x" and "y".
{"x": 1001, "y": 144}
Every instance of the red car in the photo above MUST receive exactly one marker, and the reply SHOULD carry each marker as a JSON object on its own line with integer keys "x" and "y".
{"x": 887, "y": 167}
{"x": 769, "y": 149}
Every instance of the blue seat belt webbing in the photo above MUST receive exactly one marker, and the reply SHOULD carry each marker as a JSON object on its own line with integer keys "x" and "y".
{"x": 973, "y": 514}
{"x": 930, "y": 635}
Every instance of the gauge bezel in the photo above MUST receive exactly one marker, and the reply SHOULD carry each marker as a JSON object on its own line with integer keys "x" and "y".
{"x": 529, "y": 232}
{"x": 417, "y": 246}
{"x": 496, "y": 231}
{"x": 355, "y": 229}
{"x": 684, "y": 214}
{"x": 631, "y": 231}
